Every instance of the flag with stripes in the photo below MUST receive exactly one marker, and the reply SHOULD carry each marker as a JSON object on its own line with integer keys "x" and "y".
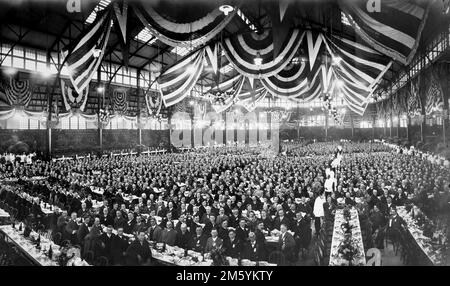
{"x": 241, "y": 51}
{"x": 359, "y": 70}
{"x": 83, "y": 61}
{"x": 225, "y": 93}
{"x": 165, "y": 22}
{"x": 178, "y": 80}
{"x": 394, "y": 30}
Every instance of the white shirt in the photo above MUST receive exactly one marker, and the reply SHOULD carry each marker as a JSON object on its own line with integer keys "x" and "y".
{"x": 318, "y": 207}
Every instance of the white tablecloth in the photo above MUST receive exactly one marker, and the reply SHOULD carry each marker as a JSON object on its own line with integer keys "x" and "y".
{"x": 417, "y": 233}
{"x": 338, "y": 237}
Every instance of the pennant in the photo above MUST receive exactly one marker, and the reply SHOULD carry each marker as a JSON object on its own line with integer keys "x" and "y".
{"x": 212, "y": 56}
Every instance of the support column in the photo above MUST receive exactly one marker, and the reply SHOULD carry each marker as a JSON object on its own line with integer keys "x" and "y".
{"x": 326, "y": 125}
{"x": 408, "y": 126}
{"x": 49, "y": 115}
{"x": 138, "y": 94}
{"x": 398, "y": 126}
{"x": 99, "y": 105}
{"x": 390, "y": 127}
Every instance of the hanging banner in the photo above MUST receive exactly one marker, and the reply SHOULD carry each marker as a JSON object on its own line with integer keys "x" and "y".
{"x": 15, "y": 93}
{"x": 120, "y": 103}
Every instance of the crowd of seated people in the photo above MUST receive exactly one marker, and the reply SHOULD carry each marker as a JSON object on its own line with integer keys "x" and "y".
{"x": 208, "y": 199}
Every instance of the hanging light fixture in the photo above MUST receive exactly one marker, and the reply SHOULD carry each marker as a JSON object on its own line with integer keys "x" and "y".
{"x": 258, "y": 60}
{"x": 339, "y": 83}
{"x": 226, "y": 9}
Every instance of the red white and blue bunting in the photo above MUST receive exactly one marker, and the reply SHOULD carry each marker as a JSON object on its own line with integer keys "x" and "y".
{"x": 154, "y": 103}
{"x": 16, "y": 93}
{"x": 119, "y": 101}
{"x": 225, "y": 93}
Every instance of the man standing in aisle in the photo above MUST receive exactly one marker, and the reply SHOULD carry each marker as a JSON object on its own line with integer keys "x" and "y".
{"x": 318, "y": 212}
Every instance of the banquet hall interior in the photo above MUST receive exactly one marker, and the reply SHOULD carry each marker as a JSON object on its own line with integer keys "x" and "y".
{"x": 224, "y": 133}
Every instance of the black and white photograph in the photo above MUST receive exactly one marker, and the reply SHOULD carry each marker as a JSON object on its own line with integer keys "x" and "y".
{"x": 260, "y": 134}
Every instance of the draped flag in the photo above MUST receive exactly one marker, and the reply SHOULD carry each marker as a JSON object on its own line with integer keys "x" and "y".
{"x": 434, "y": 98}
{"x": 413, "y": 103}
{"x": 16, "y": 92}
{"x": 241, "y": 51}
{"x": 83, "y": 61}
{"x": 250, "y": 99}
{"x": 119, "y": 101}
{"x": 212, "y": 56}
{"x": 177, "y": 82}
{"x": 72, "y": 99}
{"x": 225, "y": 93}
{"x": 360, "y": 69}
{"x": 154, "y": 102}
{"x": 315, "y": 47}
{"x": 178, "y": 34}
{"x": 395, "y": 30}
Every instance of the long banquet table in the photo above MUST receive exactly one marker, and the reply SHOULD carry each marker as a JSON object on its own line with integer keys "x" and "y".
{"x": 335, "y": 258}
{"x": 37, "y": 257}
{"x": 417, "y": 233}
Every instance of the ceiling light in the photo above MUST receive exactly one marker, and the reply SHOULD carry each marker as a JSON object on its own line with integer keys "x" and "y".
{"x": 10, "y": 71}
{"x": 258, "y": 60}
{"x": 100, "y": 89}
{"x": 343, "y": 110}
{"x": 226, "y": 9}
{"x": 46, "y": 73}
{"x": 339, "y": 83}
{"x": 191, "y": 102}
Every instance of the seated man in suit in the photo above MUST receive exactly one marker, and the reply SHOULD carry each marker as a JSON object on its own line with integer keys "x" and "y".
{"x": 286, "y": 244}
{"x": 213, "y": 242}
{"x": 169, "y": 235}
{"x": 119, "y": 247}
{"x": 106, "y": 239}
{"x": 119, "y": 221}
{"x": 233, "y": 247}
{"x": 198, "y": 241}
{"x": 154, "y": 231}
{"x": 139, "y": 252}
{"x": 183, "y": 237}
{"x": 253, "y": 250}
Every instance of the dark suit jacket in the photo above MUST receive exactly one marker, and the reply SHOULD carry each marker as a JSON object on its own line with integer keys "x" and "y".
{"x": 135, "y": 250}
{"x": 169, "y": 236}
{"x": 289, "y": 245}
{"x": 254, "y": 253}
{"x": 82, "y": 232}
{"x": 210, "y": 244}
{"x": 182, "y": 239}
{"x": 107, "y": 242}
{"x": 118, "y": 248}
{"x": 155, "y": 234}
{"x": 242, "y": 234}
{"x": 119, "y": 222}
{"x": 198, "y": 244}
{"x": 233, "y": 249}
{"x": 277, "y": 222}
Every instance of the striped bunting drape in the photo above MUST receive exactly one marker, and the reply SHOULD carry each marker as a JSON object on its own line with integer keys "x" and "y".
{"x": 18, "y": 92}
{"x": 181, "y": 34}
{"x": 80, "y": 62}
{"x": 359, "y": 70}
{"x": 225, "y": 94}
{"x": 250, "y": 99}
{"x": 73, "y": 99}
{"x": 434, "y": 97}
{"x": 241, "y": 51}
{"x": 394, "y": 31}
{"x": 177, "y": 81}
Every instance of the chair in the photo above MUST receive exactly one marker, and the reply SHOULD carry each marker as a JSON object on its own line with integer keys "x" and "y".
{"x": 277, "y": 257}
